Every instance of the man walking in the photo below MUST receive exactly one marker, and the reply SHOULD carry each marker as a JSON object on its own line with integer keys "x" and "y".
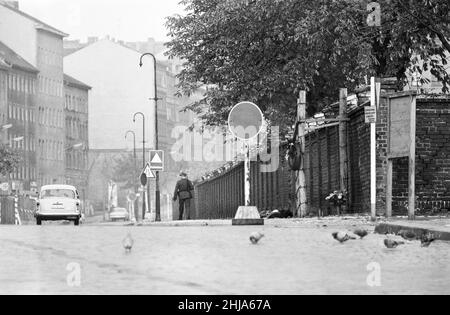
{"x": 183, "y": 191}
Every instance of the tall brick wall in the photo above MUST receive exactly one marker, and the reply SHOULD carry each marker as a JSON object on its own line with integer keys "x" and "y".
{"x": 433, "y": 154}
{"x": 432, "y": 160}
{"x": 382, "y": 153}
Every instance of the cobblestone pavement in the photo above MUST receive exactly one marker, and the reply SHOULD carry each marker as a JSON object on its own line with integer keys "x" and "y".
{"x": 294, "y": 257}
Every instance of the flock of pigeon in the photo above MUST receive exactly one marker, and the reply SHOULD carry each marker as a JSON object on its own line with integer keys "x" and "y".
{"x": 425, "y": 239}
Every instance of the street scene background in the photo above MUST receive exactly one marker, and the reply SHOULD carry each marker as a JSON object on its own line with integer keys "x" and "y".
{"x": 224, "y": 147}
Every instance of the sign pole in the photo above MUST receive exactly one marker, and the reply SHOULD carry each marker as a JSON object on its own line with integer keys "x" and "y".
{"x": 247, "y": 173}
{"x": 245, "y": 122}
{"x": 373, "y": 151}
{"x": 412, "y": 163}
{"x": 301, "y": 208}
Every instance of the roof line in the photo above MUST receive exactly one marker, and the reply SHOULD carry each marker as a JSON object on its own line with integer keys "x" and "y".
{"x": 43, "y": 25}
{"x": 158, "y": 62}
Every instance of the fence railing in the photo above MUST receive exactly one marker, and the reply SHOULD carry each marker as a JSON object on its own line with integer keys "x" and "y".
{"x": 220, "y": 197}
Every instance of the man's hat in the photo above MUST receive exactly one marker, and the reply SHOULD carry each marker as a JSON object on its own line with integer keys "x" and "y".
{"x": 183, "y": 174}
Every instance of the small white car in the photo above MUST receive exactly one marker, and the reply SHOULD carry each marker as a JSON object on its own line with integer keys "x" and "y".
{"x": 58, "y": 202}
{"x": 119, "y": 214}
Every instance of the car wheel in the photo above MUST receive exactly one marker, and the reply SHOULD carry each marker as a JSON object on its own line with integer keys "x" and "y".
{"x": 38, "y": 222}
{"x": 76, "y": 222}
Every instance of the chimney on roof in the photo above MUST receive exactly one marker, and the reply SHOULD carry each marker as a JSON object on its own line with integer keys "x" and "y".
{"x": 13, "y": 4}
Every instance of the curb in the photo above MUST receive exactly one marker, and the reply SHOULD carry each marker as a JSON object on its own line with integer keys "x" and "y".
{"x": 394, "y": 228}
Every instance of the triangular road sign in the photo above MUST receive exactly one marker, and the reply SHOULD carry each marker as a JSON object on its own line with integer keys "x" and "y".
{"x": 148, "y": 171}
{"x": 157, "y": 160}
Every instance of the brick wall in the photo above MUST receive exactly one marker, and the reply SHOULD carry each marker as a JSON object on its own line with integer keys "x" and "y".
{"x": 433, "y": 154}
{"x": 382, "y": 153}
{"x": 432, "y": 160}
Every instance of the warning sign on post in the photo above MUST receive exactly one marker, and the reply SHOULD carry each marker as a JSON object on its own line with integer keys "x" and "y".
{"x": 157, "y": 160}
{"x": 370, "y": 113}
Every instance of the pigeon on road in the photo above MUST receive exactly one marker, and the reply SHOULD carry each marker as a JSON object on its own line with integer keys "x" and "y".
{"x": 256, "y": 237}
{"x": 407, "y": 235}
{"x": 427, "y": 239}
{"x": 392, "y": 244}
{"x": 342, "y": 237}
{"x": 361, "y": 233}
{"x": 128, "y": 243}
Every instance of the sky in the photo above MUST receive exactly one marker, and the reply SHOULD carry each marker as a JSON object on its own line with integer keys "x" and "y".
{"x": 128, "y": 20}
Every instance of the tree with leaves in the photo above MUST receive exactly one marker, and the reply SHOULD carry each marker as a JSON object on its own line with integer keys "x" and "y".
{"x": 9, "y": 160}
{"x": 125, "y": 171}
{"x": 266, "y": 51}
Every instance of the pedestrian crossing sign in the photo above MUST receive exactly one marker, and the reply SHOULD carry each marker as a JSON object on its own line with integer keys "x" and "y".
{"x": 148, "y": 171}
{"x": 157, "y": 160}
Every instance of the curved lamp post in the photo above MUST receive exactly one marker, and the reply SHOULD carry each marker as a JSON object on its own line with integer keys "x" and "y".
{"x": 158, "y": 194}
{"x": 143, "y": 161}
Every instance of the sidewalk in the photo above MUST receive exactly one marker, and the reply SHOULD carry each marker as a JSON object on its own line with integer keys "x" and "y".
{"x": 439, "y": 226}
{"x": 338, "y": 222}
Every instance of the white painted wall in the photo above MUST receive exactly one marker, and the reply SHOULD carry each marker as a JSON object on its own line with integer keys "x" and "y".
{"x": 119, "y": 89}
{"x": 18, "y": 33}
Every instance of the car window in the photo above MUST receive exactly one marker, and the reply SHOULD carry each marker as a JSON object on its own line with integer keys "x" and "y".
{"x": 57, "y": 193}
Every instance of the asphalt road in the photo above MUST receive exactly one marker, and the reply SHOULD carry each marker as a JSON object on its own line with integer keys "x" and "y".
{"x": 213, "y": 259}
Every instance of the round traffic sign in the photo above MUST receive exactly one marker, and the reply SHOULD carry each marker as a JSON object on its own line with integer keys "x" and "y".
{"x": 245, "y": 120}
{"x": 143, "y": 179}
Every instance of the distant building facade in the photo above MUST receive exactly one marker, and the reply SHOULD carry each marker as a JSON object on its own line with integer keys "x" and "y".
{"x": 120, "y": 89}
{"x": 41, "y": 45}
{"x": 18, "y": 120}
{"x": 76, "y": 111}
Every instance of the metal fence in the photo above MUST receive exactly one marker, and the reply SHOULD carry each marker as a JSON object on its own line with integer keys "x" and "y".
{"x": 220, "y": 197}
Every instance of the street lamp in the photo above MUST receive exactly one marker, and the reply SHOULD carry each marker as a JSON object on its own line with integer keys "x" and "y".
{"x": 158, "y": 194}
{"x": 143, "y": 161}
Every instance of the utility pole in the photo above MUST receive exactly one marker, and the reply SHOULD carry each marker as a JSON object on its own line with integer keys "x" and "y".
{"x": 156, "y": 140}
{"x": 343, "y": 158}
{"x": 302, "y": 207}
{"x": 143, "y": 160}
{"x": 373, "y": 152}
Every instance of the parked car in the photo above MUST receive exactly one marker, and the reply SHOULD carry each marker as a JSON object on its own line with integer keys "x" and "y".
{"x": 58, "y": 202}
{"x": 119, "y": 214}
